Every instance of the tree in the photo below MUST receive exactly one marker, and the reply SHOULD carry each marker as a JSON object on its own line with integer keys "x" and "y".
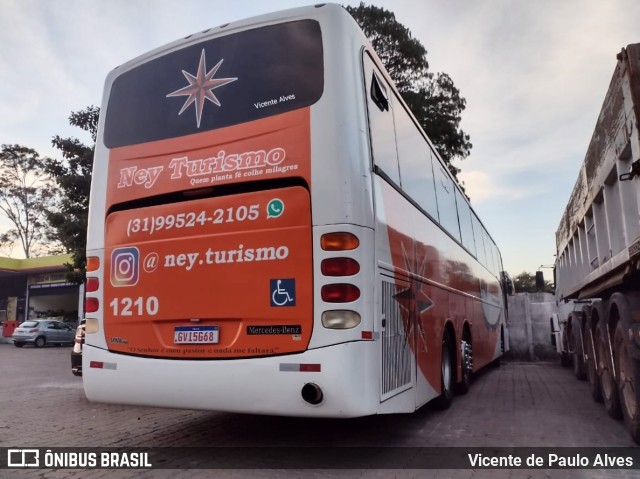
{"x": 25, "y": 196}
{"x": 72, "y": 174}
{"x": 526, "y": 283}
{"x": 434, "y": 99}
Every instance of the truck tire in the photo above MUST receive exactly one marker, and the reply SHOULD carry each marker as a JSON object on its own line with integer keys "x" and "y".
{"x": 579, "y": 368}
{"x": 591, "y": 365}
{"x": 605, "y": 371}
{"x": 628, "y": 382}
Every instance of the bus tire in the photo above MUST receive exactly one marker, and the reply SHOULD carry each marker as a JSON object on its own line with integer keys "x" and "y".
{"x": 579, "y": 368}
{"x": 605, "y": 372}
{"x": 447, "y": 368}
{"x": 628, "y": 382}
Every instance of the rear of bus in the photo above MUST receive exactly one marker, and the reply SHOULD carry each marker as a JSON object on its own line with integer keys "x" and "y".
{"x": 230, "y": 256}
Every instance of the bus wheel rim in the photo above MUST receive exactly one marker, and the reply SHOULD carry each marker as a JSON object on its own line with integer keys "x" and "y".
{"x": 446, "y": 368}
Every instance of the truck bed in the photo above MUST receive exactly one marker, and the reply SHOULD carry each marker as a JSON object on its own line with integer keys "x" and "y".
{"x": 598, "y": 239}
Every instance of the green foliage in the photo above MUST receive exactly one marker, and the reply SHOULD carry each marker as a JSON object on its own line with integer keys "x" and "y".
{"x": 25, "y": 196}
{"x": 526, "y": 283}
{"x": 72, "y": 175}
{"x": 434, "y": 99}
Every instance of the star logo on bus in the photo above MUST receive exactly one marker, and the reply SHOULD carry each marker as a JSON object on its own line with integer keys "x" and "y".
{"x": 413, "y": 293}
{"x": 200, "y": 87}
{"x": 413, "y": 296}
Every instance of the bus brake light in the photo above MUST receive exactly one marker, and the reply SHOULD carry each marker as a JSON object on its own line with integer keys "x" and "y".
{"x": 92, "y": 284}
{"x": 91, "y": 305}
{"x": 339, "y": 267}
{"x": 339, "y": 293}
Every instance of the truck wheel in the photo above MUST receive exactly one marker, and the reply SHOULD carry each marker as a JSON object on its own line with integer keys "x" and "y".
{"x": 591, "y": 366}
{"x": 605, "y": 373}
{"x": 579, "y": 369}
{"x": 628, "y": 383}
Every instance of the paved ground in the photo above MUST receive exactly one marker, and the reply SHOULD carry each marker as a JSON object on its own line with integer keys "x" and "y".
{"x": 519, "y": 404}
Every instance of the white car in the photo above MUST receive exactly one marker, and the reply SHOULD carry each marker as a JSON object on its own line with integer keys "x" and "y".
{"x": 41, "y": 332}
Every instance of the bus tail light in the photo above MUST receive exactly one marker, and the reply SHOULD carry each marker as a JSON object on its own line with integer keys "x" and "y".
{"x": 91, "y": 305}
{"x": 91, "y": 326}
{"x": 92, "y": 285}
{"x": 340, "y": 241}
{"x": 339, "y": 267}
{"x": 339, "y": 293}
{"x": 342, "y": 319}
{"x": 93, "y": 263}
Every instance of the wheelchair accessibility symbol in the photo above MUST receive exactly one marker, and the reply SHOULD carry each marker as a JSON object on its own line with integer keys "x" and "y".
{"x": 283, "y": 292}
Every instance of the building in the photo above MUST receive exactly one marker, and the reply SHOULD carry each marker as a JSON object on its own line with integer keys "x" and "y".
{"x": 37, "y": 287}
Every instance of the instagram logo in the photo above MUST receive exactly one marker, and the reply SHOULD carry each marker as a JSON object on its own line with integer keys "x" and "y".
{"x": 125, "y": 266}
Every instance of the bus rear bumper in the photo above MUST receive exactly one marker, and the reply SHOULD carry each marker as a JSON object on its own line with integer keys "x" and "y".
{"x": 272, "y": 385}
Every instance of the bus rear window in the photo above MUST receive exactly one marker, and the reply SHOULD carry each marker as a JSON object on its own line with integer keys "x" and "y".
{"x": 217, "y": 83}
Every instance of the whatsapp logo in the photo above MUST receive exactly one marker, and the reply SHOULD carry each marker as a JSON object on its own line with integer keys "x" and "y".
{"x": 275, "y": 208}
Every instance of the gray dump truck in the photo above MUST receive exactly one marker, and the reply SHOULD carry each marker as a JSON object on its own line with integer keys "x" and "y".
{"x": 597, "y": 270}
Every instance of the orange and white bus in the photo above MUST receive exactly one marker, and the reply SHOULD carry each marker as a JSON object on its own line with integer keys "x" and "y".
{"x": 270, "y": 231}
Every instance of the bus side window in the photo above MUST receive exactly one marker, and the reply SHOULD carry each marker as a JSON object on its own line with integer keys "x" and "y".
{"x": 477, "y": 235}
{"x": 496, "y": 259}
{"x": 488, "y": 243}
{"x": 379, "y": 93}
{"x": 466, "y": 230}
{"x": 381, "y": 126}
{"x": 446, "y": 199}
{"x": 416, "y": 169}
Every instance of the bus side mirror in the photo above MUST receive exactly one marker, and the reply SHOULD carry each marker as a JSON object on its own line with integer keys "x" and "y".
{"x": 507, "y": 284}
{"x": 539, "y": 280}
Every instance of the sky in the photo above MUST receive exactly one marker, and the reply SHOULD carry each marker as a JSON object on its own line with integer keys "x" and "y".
{"x": 534, "y": 75}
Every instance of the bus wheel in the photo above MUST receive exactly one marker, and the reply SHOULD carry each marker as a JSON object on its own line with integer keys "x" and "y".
{"x": 466, "y": 358}
{"x": 579, "y": 369}
{"x": 446, "y": 373}
{"x": 628, "y": 383}
{"x": 591, "y": 366}
{"x": 605, "y": 373}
